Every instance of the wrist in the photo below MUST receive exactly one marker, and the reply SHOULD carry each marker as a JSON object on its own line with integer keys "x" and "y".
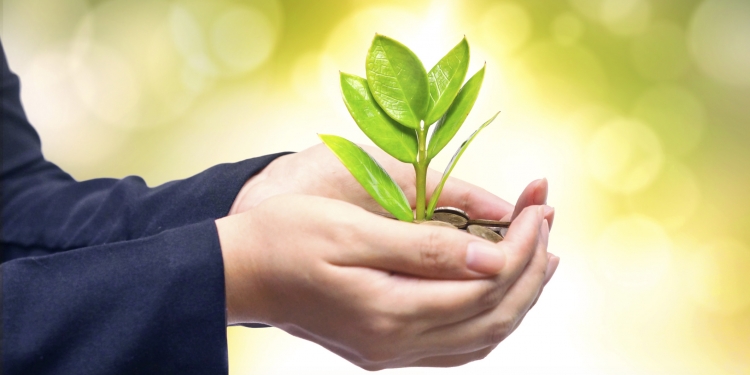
{"x": 255, "y": 188}
{"x": 244, "y": 301}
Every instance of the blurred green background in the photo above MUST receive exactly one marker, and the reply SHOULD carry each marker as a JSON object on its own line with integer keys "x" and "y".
{"x": 637, "y": 111}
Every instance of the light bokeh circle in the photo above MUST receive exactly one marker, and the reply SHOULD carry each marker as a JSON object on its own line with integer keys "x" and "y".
{"x": 108, "y": 85}
{"x": 624, "y": 155}
{"x": 676, "y": 114}
{"x": 672, "y": 199}
{"x": 504, "y": 28}
{"x": 560, "y": 77}
{"x": 661, "y": 52}
{"x": 243, "y": 38}
{"x": 315, "y": 77}
{"x": 567, "y": 28}
{"x": 719, "y": 39}
{"x": 621, "y": 17}
{"x": 717, "y": 277}
{"x": 634, "y": 251}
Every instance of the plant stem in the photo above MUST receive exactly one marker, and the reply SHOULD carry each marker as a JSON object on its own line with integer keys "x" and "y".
{"x": 421, "y": 169}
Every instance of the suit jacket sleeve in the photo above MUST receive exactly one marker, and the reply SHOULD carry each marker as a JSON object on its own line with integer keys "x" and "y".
{"x": 108, "y": 276}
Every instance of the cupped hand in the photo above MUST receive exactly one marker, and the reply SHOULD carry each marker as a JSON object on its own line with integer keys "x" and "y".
{"x": 379, "y": 292}
{"x": 317, "y": 171}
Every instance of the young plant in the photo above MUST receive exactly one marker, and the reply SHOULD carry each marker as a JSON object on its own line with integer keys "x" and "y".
{"x": 395, "y": 106}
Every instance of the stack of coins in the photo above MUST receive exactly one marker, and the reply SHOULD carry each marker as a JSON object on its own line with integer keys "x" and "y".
{"x": 451, "y": 217}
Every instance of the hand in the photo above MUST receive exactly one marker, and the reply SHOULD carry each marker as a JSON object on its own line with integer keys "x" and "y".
{"x": 379, "y": 292}
{"x": 317, "y": 171}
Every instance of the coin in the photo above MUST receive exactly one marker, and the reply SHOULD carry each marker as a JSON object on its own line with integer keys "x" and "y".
{"x": 485, "y": 233}
{"x": 490, "y": 223}
{"x": 502, "y": 231}
{"x": 457, "y": 221}
{"x": 437, "y": 224}
{"x": 452, "y": 210}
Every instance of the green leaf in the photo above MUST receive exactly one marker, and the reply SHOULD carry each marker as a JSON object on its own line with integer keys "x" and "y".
{"x": 371, "y": 176}
{"x": 394, "y": 138}
{"x": 398, "y": 81}
{"x": 456, "y": 115}
{"x": 451, "y": 165}
{"x": 445, "y": 79}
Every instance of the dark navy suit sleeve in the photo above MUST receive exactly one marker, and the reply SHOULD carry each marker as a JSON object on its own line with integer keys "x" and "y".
{"x": 108, "y": 276}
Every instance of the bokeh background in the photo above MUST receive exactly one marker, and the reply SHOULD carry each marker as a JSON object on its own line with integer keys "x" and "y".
{"x": 637, "y": 111}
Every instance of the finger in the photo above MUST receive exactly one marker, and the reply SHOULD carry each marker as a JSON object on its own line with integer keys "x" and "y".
{"x": 534, "y": 194}
{"x": 421, "y": 250}
{"x": 475, "y": 201}
{"x": 453, "y": 360}
{"x": 445, "y": 253}
{"x": 436, "y": 303}
{"x": 443, "y": 302}
{"x": 494, "y": 326}
{"x": 553, "y": 262}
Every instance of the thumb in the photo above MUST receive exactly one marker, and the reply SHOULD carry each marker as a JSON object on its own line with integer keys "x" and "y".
{"x": 426, "y": 251}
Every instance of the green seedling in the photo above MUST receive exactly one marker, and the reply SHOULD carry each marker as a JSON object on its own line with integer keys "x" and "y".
{"x": 395, "y": 106}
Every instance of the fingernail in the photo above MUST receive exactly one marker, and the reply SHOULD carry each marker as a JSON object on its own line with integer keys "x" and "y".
{"x": 541, "y": 194}
{"x": 545, "y": 231}
{"x": 549, "y": 213}
{"x": 484, "y": 258}
{"x": 554, "y": 261}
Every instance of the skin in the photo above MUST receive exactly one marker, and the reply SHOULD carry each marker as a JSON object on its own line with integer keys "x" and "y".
{"x": 302, "y": 253}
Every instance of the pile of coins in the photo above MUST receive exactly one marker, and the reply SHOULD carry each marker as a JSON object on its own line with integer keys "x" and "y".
{"x": 451, "y": 217}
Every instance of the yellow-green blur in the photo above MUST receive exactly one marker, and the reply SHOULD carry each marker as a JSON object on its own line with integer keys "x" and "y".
{"x": 637, "y": 111}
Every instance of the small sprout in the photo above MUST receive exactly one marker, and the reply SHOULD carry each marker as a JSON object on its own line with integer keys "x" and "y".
{"x": 395, "y": 106}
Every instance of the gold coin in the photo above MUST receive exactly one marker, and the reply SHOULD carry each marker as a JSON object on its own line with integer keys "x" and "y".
{"x": 452, "y": 210}
{"x": 457, "y": 221}
{"x": 485, "y": 233}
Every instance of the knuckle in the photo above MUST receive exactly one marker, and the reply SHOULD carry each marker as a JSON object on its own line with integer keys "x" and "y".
{"x": 500, "y": 330}
{"x": 491, "y": 297}
{"x": 375, "y": 356}
{"x": 380, "y": 327}
{"x": 467, "y": 196}
{"x": 433, "y": 256}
